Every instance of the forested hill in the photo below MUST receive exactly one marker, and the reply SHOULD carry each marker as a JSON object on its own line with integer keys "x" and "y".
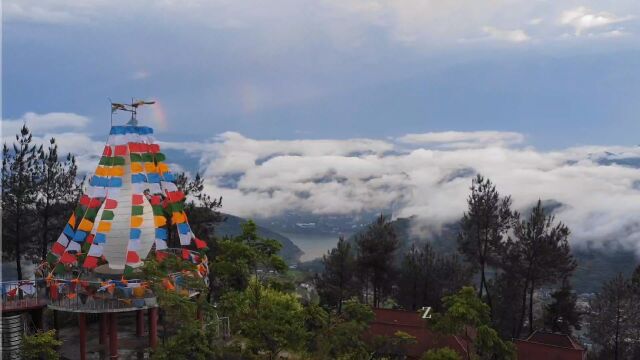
{"x": 232, "y": 227}
{"x": 595, "y": 265}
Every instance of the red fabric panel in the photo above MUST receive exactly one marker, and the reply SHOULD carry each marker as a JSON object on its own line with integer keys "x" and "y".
{"x": 90, "y": 262}
{"x": 121, "y": 150}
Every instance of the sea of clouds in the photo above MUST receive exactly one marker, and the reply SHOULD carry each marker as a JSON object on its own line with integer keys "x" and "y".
{"x": 424, "y": 175}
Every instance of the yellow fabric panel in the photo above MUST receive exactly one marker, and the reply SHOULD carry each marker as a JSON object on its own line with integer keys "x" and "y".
{"x": 159, "y": 220}
{"x": 162, "y": 167}
{"x": 136, "y": 167}
{"x": 178, "y": 218}
{"x": 102, "y": 171}
{"x": 150, "y": 167}
{"x": 136, "y": 221}
{"x": 72, "y": 220}
{"x": 104, "y": 226}
{"x": 85, "y": 225}
{"x": 117, "y": 171}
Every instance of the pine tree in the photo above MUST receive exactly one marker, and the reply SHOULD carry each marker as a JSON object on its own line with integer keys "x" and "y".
{"x": 58, "y": 190}
{"x": 18, "y": 195}
{"x": 376, "y": 248}
{"x": 562, "y": 315}
{"x": 612, "y": 322}
{"x": 483, "y": 229}
{"x": 337, "y": 282}
{"x": 542, "y": 255}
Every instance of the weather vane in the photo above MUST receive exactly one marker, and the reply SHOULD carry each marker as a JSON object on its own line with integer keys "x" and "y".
{"x": 132, "y": 108}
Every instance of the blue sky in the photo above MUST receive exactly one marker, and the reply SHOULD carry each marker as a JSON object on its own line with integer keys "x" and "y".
{"x": 347, "y": 107}
{"x": 563, "y": 73}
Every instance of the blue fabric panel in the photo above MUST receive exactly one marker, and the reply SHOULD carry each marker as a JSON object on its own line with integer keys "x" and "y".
{"x": 183, "y": 228}
{"x": 161, "y": 234}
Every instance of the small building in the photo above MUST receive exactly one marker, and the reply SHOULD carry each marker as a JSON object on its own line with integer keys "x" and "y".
{"x": 549, "y": 346}
{"x": 387, "y": 322}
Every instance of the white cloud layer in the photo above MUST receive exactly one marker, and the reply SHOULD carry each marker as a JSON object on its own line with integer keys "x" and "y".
{"x": 598, "y": 187}
{"x": 515, "y": 36}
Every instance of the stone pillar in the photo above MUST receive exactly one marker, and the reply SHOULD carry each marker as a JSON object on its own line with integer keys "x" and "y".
{"x": 113, "y": 335}
{"x": 153, "y": 327}
{"x": 139, "y": 323}
{"x": 82, "y": 324}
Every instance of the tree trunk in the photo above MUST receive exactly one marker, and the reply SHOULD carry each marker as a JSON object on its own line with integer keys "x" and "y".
{"x": 17, "y": 240}
{"x": 615, "y": 352}
{"x": 531, "y": 308}
{"x": 45, "y": 231}
{"x": 523, "y": 309}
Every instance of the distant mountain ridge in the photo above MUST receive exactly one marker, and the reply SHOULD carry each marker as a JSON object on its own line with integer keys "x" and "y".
{"x": 232, "y": 227}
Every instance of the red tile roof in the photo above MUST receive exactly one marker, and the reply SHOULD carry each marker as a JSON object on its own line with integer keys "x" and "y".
{"x": 387, "y": 322}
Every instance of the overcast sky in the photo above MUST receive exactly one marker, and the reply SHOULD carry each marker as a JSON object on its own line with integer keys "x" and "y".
{"x": 345, "y": 106}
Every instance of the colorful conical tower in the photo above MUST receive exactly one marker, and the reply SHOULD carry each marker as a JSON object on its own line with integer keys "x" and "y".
{"x": 130, "y": 205}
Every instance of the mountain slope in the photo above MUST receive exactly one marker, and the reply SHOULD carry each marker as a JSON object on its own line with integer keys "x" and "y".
{"x": 232, "y": 227}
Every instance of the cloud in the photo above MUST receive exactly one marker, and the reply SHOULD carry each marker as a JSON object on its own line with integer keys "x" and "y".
{"x": 39, "y": 123}
{"x": 583, "y": 19}
{"x": 515, "y": 36}
{"x": 464, "y": 139}
{"x": 263, "y": 178}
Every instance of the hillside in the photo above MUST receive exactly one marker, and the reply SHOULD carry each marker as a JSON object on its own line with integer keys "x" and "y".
{"x": 595, "y": 265}
{"x": 232, "y": 227}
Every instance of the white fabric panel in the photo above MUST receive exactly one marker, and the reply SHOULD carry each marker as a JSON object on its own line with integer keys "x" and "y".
{"x": 63, "y": 240}
{"x": 185, "y": 239}
{"x": 148, "y": 229}
{"x": 95, "y": 250}
{"x": 73, "y": 246}
{"x": 160, "y": 244}
{"x": 115, "y": 248}
{"x": 98, "y": 216}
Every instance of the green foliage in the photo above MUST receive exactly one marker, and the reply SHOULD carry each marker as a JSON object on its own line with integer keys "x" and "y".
{"x": 483, "y": 228}
{"x": 391, "y": 347}
{"x": 375, "y": 261}
{"x": 337, "y": 281}
{"x": 426, "y": 276}
{"x": 614, "y": 319}
{"x": 270, "y": 320}
{"x": 190, "y": 342}
{"x": 441, "y": 354}
{"x": 239, "y": 258}
{"x": 19, "y": 195}
{"x": 339, "y": 336}
{"x": 562, "y": 315}
{"x": 465, "y": 311}
{"x": 41, "y": 345}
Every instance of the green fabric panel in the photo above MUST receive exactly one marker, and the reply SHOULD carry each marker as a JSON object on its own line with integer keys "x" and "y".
{"x": 118, "y": 160}
{"x": 147, "y": 157}
{"x": 91, "y": 214}
{"x": 106, "y": 161}
{"x": 157, "y": 210}
{"x": 59, "y": 269}
{"x": 136, "y": 210}
{"x": 177, "y": 207}
{"x": 160, "y": 157}
{"x": 107, "y": 215}
{"x": 79, "y": 214}
{"x": 51, "y": 258}
{"x": 136, "y": 157}
{"x": 128, "y": 271}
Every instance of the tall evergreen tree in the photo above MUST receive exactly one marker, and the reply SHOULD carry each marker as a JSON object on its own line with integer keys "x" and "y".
{"x": 57, "y": 189}
{"x": 19, "y": 195}
{"x": 542, "y": 253}
{"x": 337, "y": 282}
{"x": 612, "y": 322}
{"x": 562, "y": 315}
{"x": 426, "y": 276}
{"x": 375, "y": 261}
{"x": 483, "y": 229}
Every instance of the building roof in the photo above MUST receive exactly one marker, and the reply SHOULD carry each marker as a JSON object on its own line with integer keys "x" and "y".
{"x": 560, "y": 340}
{"x": 387, "y": 322}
